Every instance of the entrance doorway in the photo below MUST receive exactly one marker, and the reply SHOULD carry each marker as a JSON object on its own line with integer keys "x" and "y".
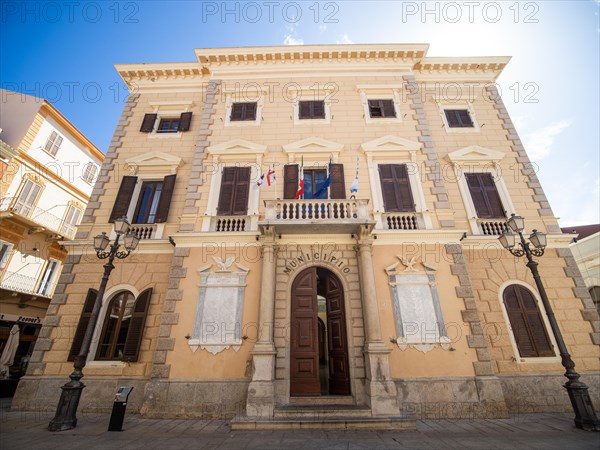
{"x": 319, "y": 343}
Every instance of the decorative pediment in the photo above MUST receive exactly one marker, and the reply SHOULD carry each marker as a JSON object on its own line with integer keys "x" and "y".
{"x": 389, "y": 144}
{"x": 315, "y": 146}
{"x": 475, "y": 153}
{"x": 237, "y": 147}
{"x": 155, "y": 160}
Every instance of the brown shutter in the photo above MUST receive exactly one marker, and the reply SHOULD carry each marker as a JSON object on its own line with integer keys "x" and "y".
{"x": 290, "y": 181}
{"x": 493, "y": 198}
{"x": 464, "y": 117}
{"x": 452, "y": 118}
{"x": 386, "y": 179}
{"x": 164, "y": 203}
{"x": 224, "y": 207}
{"x": 123, "y": 198}
{"x": 405, "y": 200}
{"x": 237, "y": 111}
{"x": 388, "y": 108}
{"x": 136, "y": 326}
{"x": 184, "y": 121}
{"x": 84, "y": 320}
{"x": 148, "y": 123}
{"x": 241, "y": 191}
{"x": 318, "y": 109}
{"x": 337, "y": 188}
{"x": 304, "y": 110}
{"x": 526, "y": 322}
{"x": 250, "y": 111}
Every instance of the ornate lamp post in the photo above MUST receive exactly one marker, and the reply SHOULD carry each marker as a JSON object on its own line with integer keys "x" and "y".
{"x": 65, "y": 418}
{"x": 585, "y": 416}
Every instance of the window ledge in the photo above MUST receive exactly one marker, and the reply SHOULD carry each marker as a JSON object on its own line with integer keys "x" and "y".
{"x": 383, "y": 120}
{"x": 462, "y": 130}
{"x": 540, "y": 360}
{"x": 106, "y": 364}
{"x": 243, "y": 123}
{"x": 155, "y": 135}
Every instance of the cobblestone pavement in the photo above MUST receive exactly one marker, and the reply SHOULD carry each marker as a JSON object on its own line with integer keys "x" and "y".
{"x": 27, "y": 430}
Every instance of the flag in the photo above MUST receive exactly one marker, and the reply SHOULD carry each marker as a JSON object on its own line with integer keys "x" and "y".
{"x": 326, "y": 183}
{"x": 260, "y": 180}
{"x": 300, "y": 190}
{"x": 271, "y": 175}
{"x": 354, "y": 186}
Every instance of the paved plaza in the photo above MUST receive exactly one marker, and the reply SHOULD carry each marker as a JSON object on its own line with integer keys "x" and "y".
{"x": 27, "y": 430}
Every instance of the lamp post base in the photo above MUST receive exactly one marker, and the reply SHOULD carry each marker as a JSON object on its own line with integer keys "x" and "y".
{"x": 585, "y": 416}
{"x": 65, "y": 417}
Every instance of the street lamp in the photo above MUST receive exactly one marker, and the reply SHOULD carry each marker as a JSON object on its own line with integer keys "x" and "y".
{"x": 585, "y": 416}
{"x": 65, "y": 417}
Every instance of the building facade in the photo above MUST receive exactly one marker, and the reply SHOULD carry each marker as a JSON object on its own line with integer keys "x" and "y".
{"x": 48, "y": 170}
{"x": 319, "y": 225}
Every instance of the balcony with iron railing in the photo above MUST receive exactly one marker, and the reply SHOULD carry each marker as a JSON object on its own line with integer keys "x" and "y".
{"x": 36, "y": 217}
{"x": 316, "y": 216}
{"x": 17, "y": 282}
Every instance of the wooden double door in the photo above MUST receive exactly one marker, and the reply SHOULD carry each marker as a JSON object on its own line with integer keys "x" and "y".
{"x": 306, "y": 375}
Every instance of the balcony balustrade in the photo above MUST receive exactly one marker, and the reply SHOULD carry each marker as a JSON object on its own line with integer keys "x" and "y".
{"x": 37, "y": 217}
{"x": 13, "y": 281}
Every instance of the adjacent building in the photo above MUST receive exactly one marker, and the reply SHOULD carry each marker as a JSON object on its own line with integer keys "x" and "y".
{"x": 48, "y": 169}
{"x": 318, "y": 226}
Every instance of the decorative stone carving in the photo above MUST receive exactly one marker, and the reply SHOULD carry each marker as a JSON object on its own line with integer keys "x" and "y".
{"x": 218, "y": 324}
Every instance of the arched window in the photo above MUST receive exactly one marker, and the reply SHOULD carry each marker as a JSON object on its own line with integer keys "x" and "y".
{"x": 122, "y": 328}
{"x": 116, "y": 326}
{"x": 595, "y": 294}
{"x": 526, "y": 322}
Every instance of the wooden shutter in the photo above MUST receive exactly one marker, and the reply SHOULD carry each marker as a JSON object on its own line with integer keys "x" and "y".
{"x": 526, "y": 322}
{"x": 136, "y": 326}
{"x": 164, "y": 203}
{"x": 485, "y": 196}
{"x": 224, "y": 207}
{"x": 250, "y": 111}
{"x": 452, "y": 118}
{"x": 123, "y": 199}
{"x": 84, "y": 320}
{"x": 318, "y": 109}
{"x": 290, "y": 181}
{"x": 237, "y": 111}
{"x": 395, "y": 187}
{"x": 184, "y": 121}
{"x": 241, "y": 191}
{"x": 148, "y": 123}
{"x": 464, "y": 118}
{"x": 388, "y": 108}
{"x": 337, "y": 188}
{"x": 403, "y": 192}
{"x": 304, "y": 110}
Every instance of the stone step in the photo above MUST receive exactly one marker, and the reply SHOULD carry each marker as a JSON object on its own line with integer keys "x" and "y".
{"x": 322, "y": 411}
{"x": 400, "y": 423}
{"x": 323, "y": 400}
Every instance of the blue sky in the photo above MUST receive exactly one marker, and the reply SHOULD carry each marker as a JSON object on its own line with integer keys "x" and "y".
{"x": 65, "y": 52}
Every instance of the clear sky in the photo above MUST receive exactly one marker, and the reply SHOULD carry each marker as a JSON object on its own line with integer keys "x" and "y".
{"x": 64, "y": 51}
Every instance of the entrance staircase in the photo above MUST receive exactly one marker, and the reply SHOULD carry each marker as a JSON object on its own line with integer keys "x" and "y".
{"x": 327, "y": 412}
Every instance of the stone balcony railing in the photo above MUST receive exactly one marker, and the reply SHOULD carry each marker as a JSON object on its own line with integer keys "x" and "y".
{"x": 309, "y": 216}
{"x": 402, "y": 221}
{"x": 37, "y": 217}
{"x": 491, "y": 227}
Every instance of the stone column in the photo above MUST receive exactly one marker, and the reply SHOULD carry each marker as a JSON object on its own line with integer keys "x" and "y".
{"x": 380, "y": 388}
{"x": 261, "y": 397}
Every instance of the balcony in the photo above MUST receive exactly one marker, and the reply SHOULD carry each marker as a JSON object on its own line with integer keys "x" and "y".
{"x": 13, "y": 281}
{"x": 316, "y": 216}
{"x": 491, "y": 227}
{"x": 36, "y": 218}
{"x": 402, "y": 221}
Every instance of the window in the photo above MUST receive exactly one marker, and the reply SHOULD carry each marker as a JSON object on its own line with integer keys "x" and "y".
{"x": 311, "y": 109}
{"x": 167, "y": 123}
{"x": 595, "y": 294}
{"x": 313, "y": 182}
{"x": 27, "y": 197}
{"x": 53, "y": 143}
{"x": 89, "y": 172}
{"x": 243, "y": 112}
{"x": 5, "y": 249}
{"x": 395, "y": 187}
{"x": 235, "y": 187}
{"x": 70, "y": 221}
{"x": 382, "y": 108}
{"x": 48, "y": 277}
{"x": 151, "y": 204}
{"x": 526, "y": 322}
{"x": 458, "y": 118}
{"x": 122, "y": 329}
{"x": 485, "y": 195}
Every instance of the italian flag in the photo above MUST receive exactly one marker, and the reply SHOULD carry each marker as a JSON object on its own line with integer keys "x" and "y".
{"x": 300, "y": 190}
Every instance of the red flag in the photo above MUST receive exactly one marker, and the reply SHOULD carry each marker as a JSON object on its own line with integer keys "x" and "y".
{"x": 300, "y": 190}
